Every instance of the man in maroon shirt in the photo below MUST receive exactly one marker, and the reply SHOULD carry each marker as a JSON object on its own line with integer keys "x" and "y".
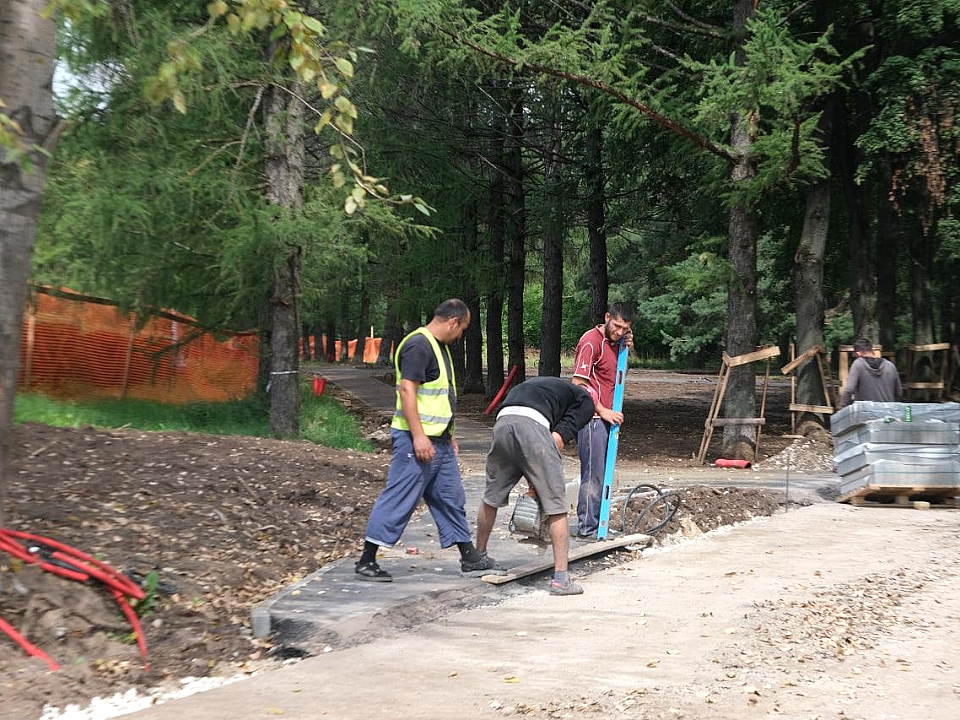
{"x": 595, "y": 368}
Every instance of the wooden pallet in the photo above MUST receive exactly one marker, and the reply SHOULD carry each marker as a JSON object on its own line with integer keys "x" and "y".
{"x": 902, "y": 495}
{"x": 587, "y": 550}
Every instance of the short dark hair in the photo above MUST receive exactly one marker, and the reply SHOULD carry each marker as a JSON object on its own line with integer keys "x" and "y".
{"x": 452, "y": 308}
{"x": 863, "y": 345}
{"x": 622, "y": 311}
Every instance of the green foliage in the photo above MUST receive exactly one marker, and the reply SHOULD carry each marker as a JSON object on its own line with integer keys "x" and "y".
{"x": 574, "y": 321}
{"x": 773, "y": 88}
{"x": 690, "y": 310}
{"x": 147, "y": 606}
{"x": 915, "y": 131}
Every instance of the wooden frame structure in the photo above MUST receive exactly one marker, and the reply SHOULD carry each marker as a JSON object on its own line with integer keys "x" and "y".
{"x": 826, "y": 382}
{"x": 940, "y": 360}
{"x": 713, "y": 420}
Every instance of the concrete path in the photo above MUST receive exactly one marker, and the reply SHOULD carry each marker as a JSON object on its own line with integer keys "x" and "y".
{"x": 830, "y": 611}
{"x": 331, "y": 608}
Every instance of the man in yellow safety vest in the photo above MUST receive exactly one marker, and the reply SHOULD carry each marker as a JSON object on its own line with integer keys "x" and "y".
{"x": 424, "y": 463}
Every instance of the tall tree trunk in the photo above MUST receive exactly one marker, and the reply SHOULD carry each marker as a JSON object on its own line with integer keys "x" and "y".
{"x": 363, "y": 322}
{"x": 553, "y": 234}
{"x": 744, "y": 230}
{"x": 344, "y": 326}
{"x": 284, "y": 373}
{"x": 808, "y": 285}
{"x": 392, "y": 331}
{"x": 283, "y": 163}
{"x": 888, "y": 248}
{"x": 317, "y": 341}
{"x": 921, "y": 292}
{"x": 516, "y": 235}
{"x": 863, "y": 292}
{"x": 496, "y": 223}
{"x": 472, "y": 378}
{"x": 596, "y": 224}
{"x": 305, "y": 341}
{"x": 27, "y": 45}
{"x": 330, "y": 351}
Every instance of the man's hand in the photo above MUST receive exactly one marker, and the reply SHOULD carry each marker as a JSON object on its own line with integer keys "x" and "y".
{"x": 628, "y": 339}
{"x": 558, "y": 441}
{"x": 608, "y": 415}
{"x": 423, "y": 448}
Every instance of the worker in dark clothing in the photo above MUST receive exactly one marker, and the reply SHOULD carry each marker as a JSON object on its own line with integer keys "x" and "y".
{"x": 538, "y": 418}
{"x": 871, "y": 378}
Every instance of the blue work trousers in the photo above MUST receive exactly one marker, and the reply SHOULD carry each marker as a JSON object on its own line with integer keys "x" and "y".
{"x": 437, "y": 482}
{"x": 592, "y": 449}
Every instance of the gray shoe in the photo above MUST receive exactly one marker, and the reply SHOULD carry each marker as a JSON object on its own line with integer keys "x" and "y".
{"x": 571, "y": 588}
{"x": 484, "y": 565}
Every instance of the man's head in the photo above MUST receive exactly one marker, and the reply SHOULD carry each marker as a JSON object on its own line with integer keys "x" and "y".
{"x": 450, "y": 319}
{"x": 863, "y": 348}
{"x": 617, "y": 321}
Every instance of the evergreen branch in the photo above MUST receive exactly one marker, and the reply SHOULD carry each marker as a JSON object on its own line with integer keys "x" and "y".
{"x": 693, "y": 21}
{"x": 586, "y": 81}
{"x": 243, "y": 139}
{"x": 681, "y": 29}
{"x": 208, "y": 159}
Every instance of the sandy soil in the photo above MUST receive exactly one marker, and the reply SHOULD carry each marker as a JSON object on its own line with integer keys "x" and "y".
{"x": 225, "y": 521}
{"x": 825, "y": 612}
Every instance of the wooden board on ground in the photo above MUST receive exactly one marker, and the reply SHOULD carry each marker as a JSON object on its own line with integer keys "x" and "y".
{"x": 576, "y": 553}
{"x": 901, "y": 495}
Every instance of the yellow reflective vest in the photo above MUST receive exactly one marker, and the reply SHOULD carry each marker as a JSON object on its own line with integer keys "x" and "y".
{"x": 433, "y": 398}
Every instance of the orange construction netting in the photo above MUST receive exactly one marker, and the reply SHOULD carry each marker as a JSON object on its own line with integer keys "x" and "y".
{"x": 78, "y": 347}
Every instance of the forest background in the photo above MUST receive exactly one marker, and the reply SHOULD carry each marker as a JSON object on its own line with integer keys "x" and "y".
{"x": 746, "y": 173}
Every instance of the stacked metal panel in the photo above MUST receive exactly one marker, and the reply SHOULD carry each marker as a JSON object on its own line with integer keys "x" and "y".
{"x": 892, "y": 445}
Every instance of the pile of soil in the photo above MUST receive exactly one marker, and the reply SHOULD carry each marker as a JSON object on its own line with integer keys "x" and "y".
{"x": 690, "y": 510}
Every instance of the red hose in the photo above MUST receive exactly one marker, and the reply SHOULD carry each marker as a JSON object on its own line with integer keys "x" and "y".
{"x": 80, "y": 567}
{"x": 31, "y": 649}
{"x": 725, "y": 463}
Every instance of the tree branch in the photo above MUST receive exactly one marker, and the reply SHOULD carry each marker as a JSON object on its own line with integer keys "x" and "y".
{"x": 693, "y": 21}
{"x": 590, "y": 82}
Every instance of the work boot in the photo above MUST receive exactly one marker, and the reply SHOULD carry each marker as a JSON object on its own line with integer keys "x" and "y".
{"x": 571, "y": 588}
{"x": 482, "y": 565}
{"x": 372, "y": 572}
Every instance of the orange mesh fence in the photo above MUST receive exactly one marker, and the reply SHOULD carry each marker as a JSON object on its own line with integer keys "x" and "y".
{"x": 371, "y": 348}
{"x": 79, "y": 347}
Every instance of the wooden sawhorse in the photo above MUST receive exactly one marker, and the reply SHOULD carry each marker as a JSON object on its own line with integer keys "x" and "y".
{"x": 826, "y": 382}
{"x": 713, "y": 420}
{"x": 939, "y": 354}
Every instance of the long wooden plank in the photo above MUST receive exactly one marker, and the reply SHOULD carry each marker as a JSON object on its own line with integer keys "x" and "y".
{"x": 723, "y": 422}
{"x": 592, "y": 548}
{"x": 762, "y": 354}
{"x": 797, "y": 407}
{"x": 929, "y": 348}
{"x": 793, "y": 364}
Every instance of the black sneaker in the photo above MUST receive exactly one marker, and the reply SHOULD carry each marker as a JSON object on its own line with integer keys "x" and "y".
{"x": 372, "y": 572}
{"x": 483, "y": 565}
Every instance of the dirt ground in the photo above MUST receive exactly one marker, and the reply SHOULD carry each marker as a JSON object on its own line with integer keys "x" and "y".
{"x": 226, "y": 521}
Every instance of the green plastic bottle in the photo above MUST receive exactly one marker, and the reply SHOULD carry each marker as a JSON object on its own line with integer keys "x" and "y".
{"x": 907, "y": 414}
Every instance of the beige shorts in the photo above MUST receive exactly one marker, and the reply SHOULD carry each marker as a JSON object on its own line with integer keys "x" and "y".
{"x": 523, "y": 448}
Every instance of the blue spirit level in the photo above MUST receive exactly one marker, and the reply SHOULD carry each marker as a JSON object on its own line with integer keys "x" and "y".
{"x": 612, "y": 443}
